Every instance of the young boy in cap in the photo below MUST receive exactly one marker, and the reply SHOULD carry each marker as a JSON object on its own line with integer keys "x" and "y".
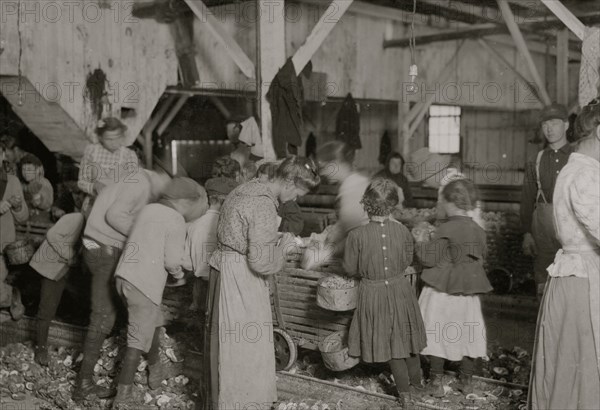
{"x": 53, "y": 260}
{"x": 106, "y": 230}
{"x": 154, "y": 249}
{"x": 537, "y": 221}
{"x": 201, "y": 237}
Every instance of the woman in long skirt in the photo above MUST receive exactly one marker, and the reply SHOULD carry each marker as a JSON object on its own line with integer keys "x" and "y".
{"x": 242, "y": 358}
{"x": 566, "y": 367}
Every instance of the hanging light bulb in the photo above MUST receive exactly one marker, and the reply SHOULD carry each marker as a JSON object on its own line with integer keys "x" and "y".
{"x": 20, "y": 100}
{"x": 413, "y": 72}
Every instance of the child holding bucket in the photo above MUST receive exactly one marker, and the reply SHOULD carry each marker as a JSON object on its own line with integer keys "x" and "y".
{"x": 454, "y": 277}
{"x": 387, "y": 325}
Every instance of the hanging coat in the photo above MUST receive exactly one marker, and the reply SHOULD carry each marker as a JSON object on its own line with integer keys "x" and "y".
{"x": 347, "y": 126}
{"x": 311, "y": 146}
{"x": 385, "y": 148}
{"x": 285, "y": 97}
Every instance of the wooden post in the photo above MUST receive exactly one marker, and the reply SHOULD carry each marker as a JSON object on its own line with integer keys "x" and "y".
{"x": 563, "y": 13}
{"x": 403, "y": 124}
{"x": 562, "y": 66}
{"x": 271, "y": 57}
{"x": 509, "y": 18}
{"x": 319, "y": 33}
{"x": 149, "y": 129}
{"x": 233, "y": 49}
{"x": 483, "y": 43}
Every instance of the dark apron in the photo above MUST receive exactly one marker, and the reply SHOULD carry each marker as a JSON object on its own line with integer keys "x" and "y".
{"x": 544, "y": 232}
{"x": 210, "y": 379}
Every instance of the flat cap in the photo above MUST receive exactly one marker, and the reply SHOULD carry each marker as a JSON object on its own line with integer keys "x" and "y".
{"x": 183, "y": 188}
{"x": 220, "y": 186}
{"x": 554, "y": 111}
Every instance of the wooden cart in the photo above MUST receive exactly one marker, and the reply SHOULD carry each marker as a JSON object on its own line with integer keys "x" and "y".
{"x": 298, "y": 320}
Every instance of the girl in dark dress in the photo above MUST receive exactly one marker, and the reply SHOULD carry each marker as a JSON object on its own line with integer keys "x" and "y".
{"x": 387, "y": 324}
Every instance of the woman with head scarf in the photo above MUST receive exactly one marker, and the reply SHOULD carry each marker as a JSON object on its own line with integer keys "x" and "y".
{"x": 394, "y": 166}
{"x": 566, "y": 362}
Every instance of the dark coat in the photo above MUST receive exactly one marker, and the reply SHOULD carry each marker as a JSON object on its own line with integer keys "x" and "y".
{"x": 454, "y": 259}
{"x": 347, "y": 126}
{"x": 285, "y": 96}
{"x": 291, "y": 218}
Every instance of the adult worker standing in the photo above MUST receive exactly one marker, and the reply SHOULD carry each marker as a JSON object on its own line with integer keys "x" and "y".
{"x": 539, "y": 238}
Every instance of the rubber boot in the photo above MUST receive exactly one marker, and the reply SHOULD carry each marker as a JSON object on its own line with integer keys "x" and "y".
{"x": 404, "y": 400}
{"x": 436, "y": 386}
{"x": 41, "y": 348}
{"x": 156, "y": 374}
{"x": 41, "y": 355}
{"x": 17, "y": 310}
{"x": 126, "y": 394}
{"x": 86, "y": 389}
{"x": 465, "y": 376}
{"x": 128, "y": 397}
{"x": 465, "y": 384}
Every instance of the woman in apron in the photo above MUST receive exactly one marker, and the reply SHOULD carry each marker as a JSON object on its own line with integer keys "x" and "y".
{"x": 106, "y": 162}
{"x": 566, "y": 362}
{"x": 241, "y": 360}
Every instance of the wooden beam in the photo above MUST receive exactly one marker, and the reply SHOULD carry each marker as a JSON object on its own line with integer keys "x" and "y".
{"x": 157, "y": 118}
{"x": 500, "y": 58}
{"x": 565, "y": 15}
{"x": 172, "y": 113}
{"x": 319, "y": 33}
{"x": 403, "y": 127}
{"x": 183, "y": 33}
{"x": 480, "y": 14}
{"x": 562, "y": 66}
{"x": 148, "y": 149}
{"x": 534, "y": 47}
{"x": 221, "y": 107}
{"x": 423, "y": 109}
{"x": 509, "y": 18}
{"x": 271, "y": 56}
{"x": 231, "y": 46}
{"x": 487, "y": 29}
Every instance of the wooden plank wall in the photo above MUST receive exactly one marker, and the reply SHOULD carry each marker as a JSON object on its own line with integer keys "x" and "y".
{"x": 494, "y": 143}
{"x": 354, "y": 59}
{"x": 375, "y": 119}
{"x": 63, "y": 42}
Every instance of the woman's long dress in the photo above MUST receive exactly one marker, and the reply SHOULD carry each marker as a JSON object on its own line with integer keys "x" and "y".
{"x": 565, "y": 373}
{"x": 246, "y": 254}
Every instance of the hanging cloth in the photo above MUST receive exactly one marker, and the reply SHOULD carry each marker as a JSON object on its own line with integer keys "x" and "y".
{"x": 3, "y": 183}
{"x": 347, "y": 126}
{"x": 285, "y": 96}
{"x": 385, "y": 148}
{"x": 311, "y": 146}
{"x": 589, "y": 77}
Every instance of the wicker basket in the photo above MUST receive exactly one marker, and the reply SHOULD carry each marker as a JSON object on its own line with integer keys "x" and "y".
{"x": 334, "y": 350}
{"x": 19, "y": 252}
{"x": 338, "y": 300}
